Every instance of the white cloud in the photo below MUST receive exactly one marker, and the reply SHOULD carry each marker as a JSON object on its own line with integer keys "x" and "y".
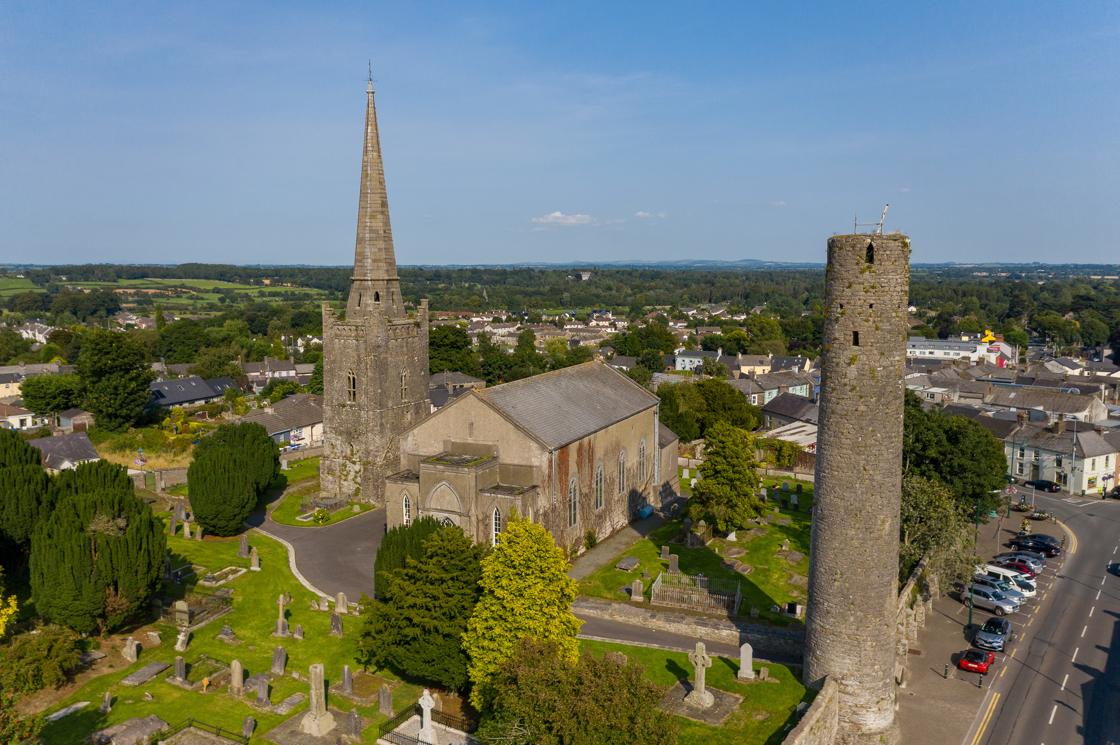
{"x": 563, "y": 220}
{"x": 643, "y": 215}
{"x": 779, "y": 203}
{"x": 905, "y": 190}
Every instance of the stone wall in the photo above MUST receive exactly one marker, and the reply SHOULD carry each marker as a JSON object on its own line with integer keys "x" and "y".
{"x": 820, "y": 724}
{"x": 915, "y": 603}
{"x": 169, "y": 477}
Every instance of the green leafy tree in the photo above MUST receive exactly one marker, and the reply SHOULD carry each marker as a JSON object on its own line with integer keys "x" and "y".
{"x": 933, "y": 526}
{"x": 115, "y": 378}
{"x": 181, "y": 341}
{"x": 49, "y": 394}
{"x": 713, "y": 367}
{"x": 278, "y": 389}
{"x": 398, "y": 545}
{"x": 315, "y": 385}
{"x": 45, "y": 658}
{"x": 541, "y": 698}
{"x": 12, "y": 345}
{"x": 231, "y": 470}
{"x": 415, "y": 626}
{"x": 526, "y": 593}
{"x": 652, "y": 360}
{"x": 494, "y": 362}
{"x": 15, "y": 728}
{"x": 726, "y": 496}
{"x": 96, "y": 560}
{"x": 216, "y": 362}
{"x": 449, "y": 350}
{"x": 14, "y": 450}
{"x": 26, "y": 499}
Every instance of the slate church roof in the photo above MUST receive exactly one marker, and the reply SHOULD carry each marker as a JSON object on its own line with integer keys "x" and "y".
{"x": 566, "y": 405}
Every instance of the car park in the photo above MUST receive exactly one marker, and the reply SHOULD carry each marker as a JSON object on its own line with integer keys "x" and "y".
{"x": 989, "y": 599}
{"x": 994, "y": 635}
{"x": 976, "y": 661}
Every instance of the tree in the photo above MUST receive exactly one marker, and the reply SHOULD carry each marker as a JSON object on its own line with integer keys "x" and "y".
{"x": 651, "y": 360}
{"x": 16, "y": 729}
{"x": 713, "y": 367}
{"x": 449, "y": 350}
{"x": 46, "y": 657}
{"x": 216, "y": 362}
{"x": 97, "y": 559}
{"x": 47, "y": 395}
{"x": 115, "y": 377}
{"x": 180, "y": 342}
{"x": 26, "y": 499}
{"x": 540, "y": 698}
{"x": 526, "y": 593}
{"x": 14, "y": 450}
{"x": 315, "y": 385}
{"x": 416, "y": 625}
{"x": 12, "y": 345}
{"x": 279, "y": 388}
{"x": 231, "y": 470}
{"x": 726, "y": 496}
{"x": 400, "y": 544}
{"x": 933, "y": 526}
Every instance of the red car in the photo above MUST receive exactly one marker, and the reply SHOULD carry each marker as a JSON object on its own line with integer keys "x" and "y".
{"x": 976, "y": 661}
{"x": 1018, "y": 566}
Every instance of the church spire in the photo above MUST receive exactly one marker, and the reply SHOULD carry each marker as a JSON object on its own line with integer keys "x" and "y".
{"x": 374, "y": 284}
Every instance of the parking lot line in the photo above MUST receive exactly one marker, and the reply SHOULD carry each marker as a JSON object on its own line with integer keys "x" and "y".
{"x": 1064, "y": 682}
{"x": 1052, "y": 713}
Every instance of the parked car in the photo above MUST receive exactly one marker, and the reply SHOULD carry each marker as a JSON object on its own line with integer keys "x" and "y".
{"x": 976, "y": 661}
{"x": 1036, "y": 561}
{"x": 1007, "y": 574}
{"x": 1114, "y": 492}
{"x": 1044, "y": 485}
{"x": 989, "y": 599}
{"x": 1017, "y": 566}
{"x": 1031, "y": 543}
{"x": 1048, "y": 539}
{"x": 1001, "y": 585}
{"x": 996, "y": 634}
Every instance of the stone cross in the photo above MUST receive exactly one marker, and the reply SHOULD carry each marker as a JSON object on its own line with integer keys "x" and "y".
{"x": 746, "y": 662}
{"x": 187, "y": 529}
{"x": 298, "y": 633}
{"x": 279, "y": 660}
{"x": 131, "y": 651}
{"x": 254, "y": 560}
{"x": 636, "y": 591}
{"x": 385, "y": 701}
{"x": 182, "y": 640}
{"x": 336, "y": 624}
{"x": 281, "y": 621}
{"x": 247, "y": 727}
{"x": 347, "y": 680}
{"x": 317, "y": 721}
{"x": 106, "y": 703}
{"x": 674, "y": 563}
{"x": 236, "y": 678}
{"x": 700, "y": 696}
{"x": 427, "y": 703}
{"x": 262, "y": 693}
{"x": 180, "y": 669}
{"x": 243, "y": 548}
{"x": 340, "y": 605}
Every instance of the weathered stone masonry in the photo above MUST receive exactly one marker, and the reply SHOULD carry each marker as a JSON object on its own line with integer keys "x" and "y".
{"x": 851, "y": 623}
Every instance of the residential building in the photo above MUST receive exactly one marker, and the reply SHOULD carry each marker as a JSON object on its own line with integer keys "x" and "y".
{"x": 19, "y": 418}
{"x": 64, "y": 452}
{"x": 787, "y": 408}
{"x": 189, "y": 391}
{"x": 75, "y": 420}
{"x": 687, "y": 361}
{"x": 1082, "y": 461}
{"x": 296, "y": 419}
{"x": 775, "y": 383}
{"x": 262, "y": 373}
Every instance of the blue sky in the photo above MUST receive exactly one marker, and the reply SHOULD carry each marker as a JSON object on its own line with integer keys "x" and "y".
{"x": 578, "y": 131}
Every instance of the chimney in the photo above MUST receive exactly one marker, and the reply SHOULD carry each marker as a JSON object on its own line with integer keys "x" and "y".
{"x": 1021, "y": 416}
{"x": 1060, "y": 425}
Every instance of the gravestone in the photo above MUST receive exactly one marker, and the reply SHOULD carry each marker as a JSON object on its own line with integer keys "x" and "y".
{"x": 324, "y": 603}
{"x": 281, "y": 620}
{"x": 106, "y": 703}
{"x": 764, "y": 494}
{"x": 785, "y": 486}
{"x": 279, "y": 661}
{"x": 763, "y": 673}
{"x": 317, "y": 722}
{"x": 254, "y": 560}
{"x": 247, "y": 727}
{"x": 674, "y": 563}
{"x": 198, "y": 533}
{"x": 131, "y": 650}
{"x": 636, "y": 591}
{"x": 793, "y": 501}
{"x": 754, "y": 611}
{"x": 180, "y": 669}
{"x": 353, "y": 724}
{"x": 298, "y": 633}
{"x": 427, "y": 703}
{"x": 236, "y": 678}
{"x": 732, "y": 536}
{"x": 172, "y": 525}
{"x": 700, "y": 697}
{"x": 746, "y": 662}
{"x": 144, "y": 674}
{"x": 187, "y": 529}
{"x": 800, "y": 488}
{"x": 227, "y": 635}
{"x": 336, "y": 625}
{"x": 181, "y": 613}
{"x": 154, "y": 638}
{"x": 347, "y": 680}
{"x": 627, "y": 563}
{"x": 665, "y": 553}
{"x": 385, "y": 701}
{"x": 182, "y": 640}
{"x": 243, "y": 547}
{"x": 340, "y": 605}
{"x": 262, "y": 693}
{"x": 167, "y": 572}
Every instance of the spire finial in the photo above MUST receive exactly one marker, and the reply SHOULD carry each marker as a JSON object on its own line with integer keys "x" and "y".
{"x": 369, "y": 78}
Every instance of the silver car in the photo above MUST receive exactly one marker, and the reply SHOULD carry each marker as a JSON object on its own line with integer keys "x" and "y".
{"x": 1004, "y": 586}
{"x": 990, "y": 599}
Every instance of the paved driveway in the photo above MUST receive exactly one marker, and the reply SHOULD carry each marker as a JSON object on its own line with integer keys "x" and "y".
{"x": 335, "y": 558}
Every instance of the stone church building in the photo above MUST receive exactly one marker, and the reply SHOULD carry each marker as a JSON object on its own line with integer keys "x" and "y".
{"x": 375, "y": 357}
{"x": 579, "y": 449}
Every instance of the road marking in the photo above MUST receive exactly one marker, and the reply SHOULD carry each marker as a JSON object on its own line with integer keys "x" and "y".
{"x": 1074, "y": 658}
{"x": 1002, "y": 672}
{"x": 1064, "y": 682}
{"x": 1030, "y": 622}
{"x": 1052, "y": 713}
{"x": 1114, "y": 550}
{"x": 1083, "y": 628}
{"x": 1098, "y": 597}
{"x": 1091, "y": 611}
{"x": 1102, "y": 580}
{"x": 984, "y": 721}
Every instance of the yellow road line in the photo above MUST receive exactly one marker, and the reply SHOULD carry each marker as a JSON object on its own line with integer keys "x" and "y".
{"x": 1072, "y": 536}
{"x": 1003, "y": 672}
{"x": 985, "y": 720}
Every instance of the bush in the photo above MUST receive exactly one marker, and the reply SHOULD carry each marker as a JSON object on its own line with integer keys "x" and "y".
{"x": 231, "y": 470}
{"x": 15, "y": 452}
{"x": 25, "y": 499}
{"x": 398, "y": 544}
{"x": 39, "y": 659}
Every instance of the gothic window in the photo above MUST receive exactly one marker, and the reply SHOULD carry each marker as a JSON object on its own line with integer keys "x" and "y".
{"x": 497, "y": 526}
{"x": 622, "y": 472}
{"x": 376, "y": 297}
{"x": 351, "y": 386}
{"x": 404, "y": 385}
{"x": 642, "y": 461}
{"x": 573, "y": 498}
{"x": 406, "y": 510}
{"x": 599, "y": 487}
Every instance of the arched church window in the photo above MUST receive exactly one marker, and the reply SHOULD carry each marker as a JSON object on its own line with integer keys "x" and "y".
{"x": 376, "y": 296}
{"x": 406, "y": 510}
{"x": 642, "y": 461}
{"x": 573, "y": 499}
{"x": 497, "y": 526}
{"x": 622, "y": 472}
{"x": 599, "y": 487}
{"x": 351, "y": 386}
{"x": 404, "y": 385}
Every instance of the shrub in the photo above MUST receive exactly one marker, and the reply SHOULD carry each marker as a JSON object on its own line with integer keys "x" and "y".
{"x": 231, "y": 470}
{"x": 39, "y": 659}
{"x": 399, "y": 543}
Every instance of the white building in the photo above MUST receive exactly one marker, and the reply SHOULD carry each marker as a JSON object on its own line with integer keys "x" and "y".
{"x": 1082, "y": 462}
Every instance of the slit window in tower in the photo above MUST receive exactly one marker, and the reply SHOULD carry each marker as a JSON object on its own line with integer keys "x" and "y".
{"x": 351, "y": 387}
{"x": 359, "y": 300}
{"x": 404, "y": 386}
{"x": 855, "y": 338}
{"x": 376, "y": 297}
{"x": 870, "y": 257}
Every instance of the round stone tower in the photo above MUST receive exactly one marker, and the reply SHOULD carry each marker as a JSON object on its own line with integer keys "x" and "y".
{"x": 853, "y": 570}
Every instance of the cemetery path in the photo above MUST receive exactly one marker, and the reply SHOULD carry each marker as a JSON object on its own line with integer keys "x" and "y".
{"x": 602, "y": 629}
{"x": 605, "y": 551}
{"x": 334, "y": 558}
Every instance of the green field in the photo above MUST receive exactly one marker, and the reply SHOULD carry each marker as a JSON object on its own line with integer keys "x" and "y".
{"x": 14, "y": 286}
{"x": 171, "y": 293}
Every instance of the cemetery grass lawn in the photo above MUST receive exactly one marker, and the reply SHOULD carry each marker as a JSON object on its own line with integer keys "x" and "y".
{"x": 771, "y": 582}
{"x": 289, "y": 508}
{"x": 761, "y": 717}
{"x": 253, "y": 619}
{"x": 302, "y": 470}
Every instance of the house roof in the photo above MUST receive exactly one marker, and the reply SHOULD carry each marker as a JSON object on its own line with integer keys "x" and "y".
{"x": 746, "y": 386}
{"x": 699, "y": 354}
{"x": 299, "y": 410}
{"x": 801, "y": 433}
{"x": 788, "y": 363}
{"x": 7, "y": 410}
{"x": 1088, "y": 443}
{"x": 440, "y": 396}
{"x": 566, "y": 405}
{"x": 665, "y": 436}
{"x": 452, "y": 378}
{"x": 781, "y": 379}
{"x": 191, "y": 389}
{"x": 72, "y": 413}
{"x": 792, "y": 406}
{"x": 754, "y": 360}
{"x": 998, "y": 426}
{"x": 1034, "y": 398}
{"x": 60, "y": 450}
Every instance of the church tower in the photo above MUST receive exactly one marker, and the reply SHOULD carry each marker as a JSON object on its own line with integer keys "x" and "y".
{"x": 375, "y": 358}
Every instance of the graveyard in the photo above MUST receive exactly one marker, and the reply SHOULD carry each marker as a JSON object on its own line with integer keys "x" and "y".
{"x": 769, "y": 561}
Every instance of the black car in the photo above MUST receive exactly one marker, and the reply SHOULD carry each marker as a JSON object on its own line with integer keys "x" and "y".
{"x": 1032, "y": 543}
{"x": 1044, "y": 485}
{"x": 1115, "y": 492}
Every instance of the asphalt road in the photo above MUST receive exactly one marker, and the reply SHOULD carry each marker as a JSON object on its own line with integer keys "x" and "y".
{"x": 1059, "y": 685}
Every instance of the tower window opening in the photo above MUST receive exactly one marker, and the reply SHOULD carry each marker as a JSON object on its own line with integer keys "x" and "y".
{"x": 359, "y": 300}
{"x": 871, "y": 306}
{"x": 870, "y": 256}
{"x": 351, "y": 387}
{"x": 404, "y": 386}
{"x": 377, "y": 297}
{"x": 855, "y": 338}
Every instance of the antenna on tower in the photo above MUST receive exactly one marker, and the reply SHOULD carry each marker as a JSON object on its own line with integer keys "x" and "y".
{"x": 856, "y": 224}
